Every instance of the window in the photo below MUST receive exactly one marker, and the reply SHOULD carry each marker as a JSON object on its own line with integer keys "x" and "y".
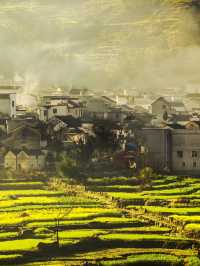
{"x": 183, "y": 164}
{"x": 164, "y": 107}
{"x": 194, "y": 164}
{"x": 54, "y": 110}
{"x": 180, "y": 154}
{"x": 45, "y": 112}
{"x": 194, "y": 154}
{"x": 13, "y": 104}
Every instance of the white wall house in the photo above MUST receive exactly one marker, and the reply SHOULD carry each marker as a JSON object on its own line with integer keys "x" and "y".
{"x": 8, "y": 104}
{"x": 61, "y": 109}
{"x": 47, "y": 112}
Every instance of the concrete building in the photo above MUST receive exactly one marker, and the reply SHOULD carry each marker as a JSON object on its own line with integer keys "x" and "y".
{"x": 157, "y": 152}
{"x": 177, "y": 150}
{"x": 186, "y": 151}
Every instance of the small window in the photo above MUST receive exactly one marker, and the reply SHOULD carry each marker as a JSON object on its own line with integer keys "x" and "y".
{"x": 13, "y": 104}
{"x": 164, "y": 107}
{"x": 180, "y": 154}
{"x": 45, "y": 112}
{"x": 54, "y": 110}
{"x": 194, "y": 154}
{"x": 183, "y": 164}
{"x": 194, "y": 164}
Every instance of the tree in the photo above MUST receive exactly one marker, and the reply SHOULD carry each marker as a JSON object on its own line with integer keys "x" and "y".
{"x": 61, "y": 215}
{"x": 67, "y": 167}
{"x": 105, "y": 140}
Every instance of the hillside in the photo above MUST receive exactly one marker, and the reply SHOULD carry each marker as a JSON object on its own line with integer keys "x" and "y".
{"x": 142, "y": 44}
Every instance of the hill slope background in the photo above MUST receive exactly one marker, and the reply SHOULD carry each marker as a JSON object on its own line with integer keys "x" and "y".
{"x": 147, "y": 44}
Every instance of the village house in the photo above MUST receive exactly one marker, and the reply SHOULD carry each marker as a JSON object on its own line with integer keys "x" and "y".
{"x": 163, "y": 106}
{"x": 176, "y": 150}
{"x": 24, "y": 160}
{"x": 104, "y": 108}
{"x": 53, "y": 106}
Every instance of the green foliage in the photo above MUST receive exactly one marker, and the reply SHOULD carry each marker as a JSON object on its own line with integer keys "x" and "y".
{"x": 194, "y": 227}
{"x": 145, "y": 176}
{"x": 108, "y": 181}
{"x": 147, "y": 259}
{"x": 20, "y": 245}
{"x": 80, "y": 233}
{"x": 67, "y": 167}
{"x": 193, "y": 261}
{"x": 138, "y": 237}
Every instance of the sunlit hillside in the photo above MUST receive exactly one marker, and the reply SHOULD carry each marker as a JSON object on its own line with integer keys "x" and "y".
{"x": 126, "y": 43}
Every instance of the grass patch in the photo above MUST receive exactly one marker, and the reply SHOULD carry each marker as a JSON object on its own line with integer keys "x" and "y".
{"x": 20, "y": 245}
{"x": 78, "y": 234}
{"x": 147, "y": 259}
{"x": 193, "y": 261}
{"x": 139, "y": 237}
{"x": 142, "y": 229}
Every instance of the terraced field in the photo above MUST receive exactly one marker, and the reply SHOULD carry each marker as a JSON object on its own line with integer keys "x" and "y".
{"x": 110, "y": 222}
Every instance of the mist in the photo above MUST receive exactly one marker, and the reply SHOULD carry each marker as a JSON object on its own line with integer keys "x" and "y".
{"x": 101, "y": 44}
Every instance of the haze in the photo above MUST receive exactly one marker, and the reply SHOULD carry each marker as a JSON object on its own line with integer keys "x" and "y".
{"x": 101, "y": 44}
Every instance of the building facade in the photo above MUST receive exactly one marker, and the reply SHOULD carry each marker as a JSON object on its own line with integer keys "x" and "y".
{"x": 53, "y": 106}
{"x": 162, "y": 105}
{"x": 158, "y": 144}
{"x": 186, "y": 151}
{"x": 24, "y": 160}
{"x": 8, "y": 105}
{"x": 174, "y": 150}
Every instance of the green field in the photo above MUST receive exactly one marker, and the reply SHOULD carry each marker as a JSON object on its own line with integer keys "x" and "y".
{"x": 112, "y": 222}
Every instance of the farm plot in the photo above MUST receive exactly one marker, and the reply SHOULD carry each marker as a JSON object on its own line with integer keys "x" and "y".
{"x": 100, "y": 225}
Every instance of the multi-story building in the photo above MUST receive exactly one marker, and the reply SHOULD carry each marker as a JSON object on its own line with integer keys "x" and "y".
{"x": 177, "y": 150}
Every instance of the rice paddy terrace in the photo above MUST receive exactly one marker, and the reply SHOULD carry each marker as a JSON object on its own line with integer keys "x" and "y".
{"x": 109, "y": 221}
